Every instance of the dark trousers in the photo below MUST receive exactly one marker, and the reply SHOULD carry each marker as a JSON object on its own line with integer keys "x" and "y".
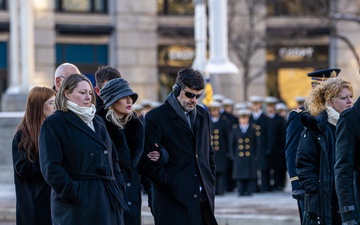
{"x": 246, "y": 186}
{"x": 221, "y": 183}
{"x": 265, "y": 180}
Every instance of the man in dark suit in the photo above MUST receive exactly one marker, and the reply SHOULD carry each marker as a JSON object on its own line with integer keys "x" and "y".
{"x": 183, "y": 187}
{"x": 293, "y": 132}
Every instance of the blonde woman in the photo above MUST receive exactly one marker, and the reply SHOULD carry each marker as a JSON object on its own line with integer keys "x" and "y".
{"x": 315, "y": 154}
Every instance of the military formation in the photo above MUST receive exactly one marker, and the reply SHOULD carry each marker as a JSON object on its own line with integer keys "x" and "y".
{"x": 248, "y": 139}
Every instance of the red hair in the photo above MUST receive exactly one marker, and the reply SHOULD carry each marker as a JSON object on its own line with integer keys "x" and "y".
{"x": 32, "y": 120}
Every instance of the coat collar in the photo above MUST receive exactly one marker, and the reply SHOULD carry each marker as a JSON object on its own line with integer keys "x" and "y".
{"x": 76, "y": 121}
{"x": 356, "y": 107}
{"x": 175, "y": 115}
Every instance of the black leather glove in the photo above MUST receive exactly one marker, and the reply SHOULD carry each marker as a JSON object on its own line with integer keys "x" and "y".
{"x": 298, "y": 194}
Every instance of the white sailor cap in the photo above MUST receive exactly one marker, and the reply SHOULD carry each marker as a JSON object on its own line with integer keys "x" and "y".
{"x": 280, "y": 106}
{"x": 271, "y": 100}
{"x": 214, "y": 104}
{"x": 242, "y": 112}
{"x": 300, "y": 99}
{"x": 240, "y": 105}
{"x": 256, "y": 98}
{"x": 218, "y": 97}
{"x": 227, "y": 101}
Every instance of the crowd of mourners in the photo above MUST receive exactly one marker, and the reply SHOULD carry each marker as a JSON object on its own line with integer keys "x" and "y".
{"x": 85, "y": 154}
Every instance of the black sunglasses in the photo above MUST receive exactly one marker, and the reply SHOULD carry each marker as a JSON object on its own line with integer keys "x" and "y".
{"x": 191, "y": 95}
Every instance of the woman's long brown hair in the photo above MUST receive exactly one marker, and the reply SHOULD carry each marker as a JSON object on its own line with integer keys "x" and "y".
{"x": 32, "y": 120}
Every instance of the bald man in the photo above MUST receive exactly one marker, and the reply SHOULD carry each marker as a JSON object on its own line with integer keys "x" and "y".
{"x": 63, "y": 71}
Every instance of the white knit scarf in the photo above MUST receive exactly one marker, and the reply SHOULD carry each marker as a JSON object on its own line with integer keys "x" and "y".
{"x": 87, "y": 114}
{"x": 333, "y": 115}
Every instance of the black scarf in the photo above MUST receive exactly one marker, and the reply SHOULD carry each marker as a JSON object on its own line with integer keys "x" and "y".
{"x": 175, "y": 104}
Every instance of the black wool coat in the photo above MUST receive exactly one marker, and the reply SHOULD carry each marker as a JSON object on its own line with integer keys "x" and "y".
{"x": 244, "y": 152}
{"x": 129, "y": 144}
{"x": 82, "y": 168}
{"x": 260, "y": 126}
{"x": 32, "y": 192}
{"x": 347, "y": 166}
{"x": 176, "y": 185}
{"x": 220, "y": 143}
{"x": 276, "y": 137}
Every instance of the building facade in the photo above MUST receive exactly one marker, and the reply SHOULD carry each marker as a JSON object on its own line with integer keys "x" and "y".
{"x": 149, "y": 41}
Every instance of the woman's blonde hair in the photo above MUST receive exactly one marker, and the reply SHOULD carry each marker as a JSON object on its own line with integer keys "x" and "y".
{"x": 316, "y": 101}
{"x": 68, "y": 86}
{"x": 112, "y": 117}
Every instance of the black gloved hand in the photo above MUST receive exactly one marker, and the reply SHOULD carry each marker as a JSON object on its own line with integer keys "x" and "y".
{"x": 298, "y": 194}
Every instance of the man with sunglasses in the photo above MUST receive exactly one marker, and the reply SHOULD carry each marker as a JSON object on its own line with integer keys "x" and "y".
{"x": 184, "y": 184}
{"x": 293, "y": 133}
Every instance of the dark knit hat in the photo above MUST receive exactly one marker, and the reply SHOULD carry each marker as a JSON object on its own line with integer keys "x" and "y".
{"x": 114, "y": 90}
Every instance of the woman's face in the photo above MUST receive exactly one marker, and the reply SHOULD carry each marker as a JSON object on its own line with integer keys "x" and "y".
{"x": 342, "y": 101}
{"x": 81, "y": 95}
{"x": 122, "y": 106}
{"x": 49, "y": 106}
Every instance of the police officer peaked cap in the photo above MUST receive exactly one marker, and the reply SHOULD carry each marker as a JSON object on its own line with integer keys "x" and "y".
{"x": 327, "y": 73}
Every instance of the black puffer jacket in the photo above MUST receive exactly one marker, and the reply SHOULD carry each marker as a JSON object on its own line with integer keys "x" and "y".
{"x": 315, "y": 168}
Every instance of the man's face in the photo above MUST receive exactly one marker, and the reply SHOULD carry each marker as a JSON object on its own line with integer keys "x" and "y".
{"x": 188, "y": 98}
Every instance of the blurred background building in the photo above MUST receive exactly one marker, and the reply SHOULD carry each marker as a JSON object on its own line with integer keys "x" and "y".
{"x": 273, "y": 43}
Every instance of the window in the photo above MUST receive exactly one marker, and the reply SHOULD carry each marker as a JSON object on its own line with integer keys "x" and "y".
{"x": 297, "y": 7}
{"x": 175, "y": 7}
{"x": 2, "y": 4}
{"x": 81, "y": 6}
{"x": 86, "y": 57}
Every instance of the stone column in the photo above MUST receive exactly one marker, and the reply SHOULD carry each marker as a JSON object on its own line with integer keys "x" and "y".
{"x": 200, "y": 35}
{"x": 21, "y": 43}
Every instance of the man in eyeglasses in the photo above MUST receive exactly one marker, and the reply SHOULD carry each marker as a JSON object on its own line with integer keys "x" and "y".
{"x": 293, "y": 133}
{"x": 63, "y": 71}
{"x": 183, "y": 185}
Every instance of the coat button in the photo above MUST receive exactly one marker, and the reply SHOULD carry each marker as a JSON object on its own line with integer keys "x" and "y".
{"x": 128, "y": 184}
{"x": 129, "y": 203}
{"x": 92, "y": 155}
{"x": 195, "y": 196}
{"x": 105, "y": 152}
{"x": 195, "y": 175}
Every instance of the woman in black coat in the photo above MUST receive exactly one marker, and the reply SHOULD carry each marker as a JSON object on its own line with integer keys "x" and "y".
{"x": 127, "y": 132}
{"x": 315, "y": 155}
{"x": 32, "y": 192}
{"x": 78, "y": 160}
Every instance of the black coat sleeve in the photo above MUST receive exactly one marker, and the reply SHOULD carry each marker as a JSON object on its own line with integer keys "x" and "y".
{"x": 307, "y": 161}
{"x": 346, "y": 147}
{"x": 293, "y": 133}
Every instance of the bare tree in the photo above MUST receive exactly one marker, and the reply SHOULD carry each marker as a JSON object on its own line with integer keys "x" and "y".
{"x": 246, "y": 37}
{"x": 248, "y": 40}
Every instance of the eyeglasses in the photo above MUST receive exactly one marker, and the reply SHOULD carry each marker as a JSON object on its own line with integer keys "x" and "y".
{"x": 192, "y": 95}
